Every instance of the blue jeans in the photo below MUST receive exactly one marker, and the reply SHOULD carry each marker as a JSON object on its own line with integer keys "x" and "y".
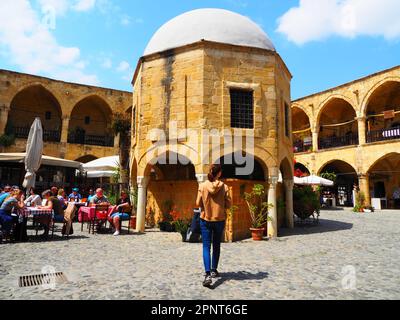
{"x": 6, "y": 221}
{"x": 211, "y": 232}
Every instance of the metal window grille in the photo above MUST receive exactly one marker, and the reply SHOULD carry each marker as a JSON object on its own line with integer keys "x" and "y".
{"x": 242, "y": 109}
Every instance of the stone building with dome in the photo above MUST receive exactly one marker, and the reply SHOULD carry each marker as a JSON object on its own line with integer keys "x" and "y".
{"x": 216, "y": 72}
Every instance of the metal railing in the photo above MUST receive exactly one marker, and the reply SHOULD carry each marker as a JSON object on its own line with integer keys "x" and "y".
{"x": 336, "y": 142}
{"x": 48, "y": 135}
{"x": 300, "y": 146}
{"x": 383, "y": 135}
{"x": 92, "y": 140}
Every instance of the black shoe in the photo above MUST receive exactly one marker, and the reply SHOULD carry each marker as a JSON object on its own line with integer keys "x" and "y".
{"x": 214, "y": 274}
{"x": 207, "y": 281}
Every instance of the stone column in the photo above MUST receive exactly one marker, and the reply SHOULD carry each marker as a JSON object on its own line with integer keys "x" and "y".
{"x": 142, "y": 183}
{"x": 65, "y": 129}
{"x": 363, "y": 180}
{"x": 4, "y": 110}
{"x": 315, "y": 139}
{"x": 362, "y": 131}
{"x": 289, "y": 203}
{"x": 201, "y": 178}
{"x": 273, "y": 224}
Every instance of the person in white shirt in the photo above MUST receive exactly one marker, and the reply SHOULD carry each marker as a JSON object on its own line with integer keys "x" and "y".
{"x": 34, "y": 200}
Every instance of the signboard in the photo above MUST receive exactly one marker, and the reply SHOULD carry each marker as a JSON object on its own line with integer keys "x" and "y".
{"x": 390, "y": 114}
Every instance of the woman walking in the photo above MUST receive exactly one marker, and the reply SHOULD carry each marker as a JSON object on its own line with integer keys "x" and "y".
{"x": 214, "y": 199}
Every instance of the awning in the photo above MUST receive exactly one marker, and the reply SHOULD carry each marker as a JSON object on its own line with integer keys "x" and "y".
{"x": 46, "y": 160}
{"x": 102, "y": 164}
{"x": 314, "y": 181}
{"x": 99, "y": 174}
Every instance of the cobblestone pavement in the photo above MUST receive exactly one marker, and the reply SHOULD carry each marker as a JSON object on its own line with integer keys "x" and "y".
{"x": 306, "y": 263}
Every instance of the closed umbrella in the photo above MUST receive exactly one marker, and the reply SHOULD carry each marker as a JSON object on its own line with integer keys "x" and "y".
{"x": 314, "y": 181}
{"x": 34, "y": 150}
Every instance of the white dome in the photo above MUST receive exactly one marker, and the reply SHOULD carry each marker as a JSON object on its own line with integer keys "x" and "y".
{"x": 216, "y": 25}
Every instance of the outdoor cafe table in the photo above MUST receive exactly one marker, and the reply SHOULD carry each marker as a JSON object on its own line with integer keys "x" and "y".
{"x": 86, "y": 214}
{"x": 39, "y": 216}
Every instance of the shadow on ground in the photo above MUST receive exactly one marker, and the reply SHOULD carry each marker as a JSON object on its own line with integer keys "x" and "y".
{"x": 323, "y": 226}
{"x": 239, "y": 276}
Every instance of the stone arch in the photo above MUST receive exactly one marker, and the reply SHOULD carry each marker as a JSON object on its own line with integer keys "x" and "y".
{"x": 347, "y": 177}
{"x": 384, "y": 177}
{"x": 257, "y": 172}
{"x": 372, "y": 90}
{"x": 328, "y": 101}
{"x": 35, "y": 100}
{"x": 302, "y": 130}
{"x": 343, "y": 114}
{"x": 304, "y": 109}
{"x": 303, "y": 168}
{"x": 90, "y": 122}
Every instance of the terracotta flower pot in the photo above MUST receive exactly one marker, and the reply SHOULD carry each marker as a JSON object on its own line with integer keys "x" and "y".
{"x": 257, "y": 234}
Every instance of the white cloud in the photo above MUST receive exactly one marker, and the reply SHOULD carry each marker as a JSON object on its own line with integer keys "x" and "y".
{"x": 84, "y": 5}
{"x": 123, "y": 66}
{"x": 31, "y": 46}
{"x": 315, "y": 20}
{"x": 106, "y": 63}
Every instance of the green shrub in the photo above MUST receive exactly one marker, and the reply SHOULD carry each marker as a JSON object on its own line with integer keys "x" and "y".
{"x": 305, "y": 202}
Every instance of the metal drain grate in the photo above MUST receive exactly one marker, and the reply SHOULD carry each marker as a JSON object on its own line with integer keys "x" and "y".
{"x": 42, "y": 279}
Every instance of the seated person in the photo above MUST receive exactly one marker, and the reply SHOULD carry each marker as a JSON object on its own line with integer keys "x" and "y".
{"x": 62, "y": 197}
{"x": 5, "y": 195}
{"x": 75, "y": 196}
{"x": 91, "y": 195}
{"x": 53, "y": 203}
{"x": 121, "y": 211}
{"x": 99, "y": 199}
{"x": 54, "y": 191}
{"x": 34, "y": 199}
{"x": 15, "y": 200}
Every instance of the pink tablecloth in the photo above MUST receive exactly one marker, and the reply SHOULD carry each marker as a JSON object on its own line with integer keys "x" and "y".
{"x": 28, "y": 212}
{"x": 86, "y": 214}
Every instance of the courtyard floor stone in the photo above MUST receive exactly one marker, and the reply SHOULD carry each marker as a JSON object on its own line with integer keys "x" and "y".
{"x": 347, "y": 256}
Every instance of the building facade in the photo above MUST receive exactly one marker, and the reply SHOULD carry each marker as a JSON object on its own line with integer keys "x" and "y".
{"x": 211, "y": 81}
{"x": 76, "y": 118}
{"x": 353, "y": 130}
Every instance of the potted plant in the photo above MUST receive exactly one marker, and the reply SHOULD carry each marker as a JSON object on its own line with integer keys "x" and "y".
{"x": 165, "y": 224}
{"x": 259, "y": 211}
{"x": 182, "y": 227}
{"x": 305, "y": 202}
{"x": 360, "y": 203}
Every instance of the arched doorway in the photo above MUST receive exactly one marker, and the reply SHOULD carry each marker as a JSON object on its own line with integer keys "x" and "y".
{"x": 301, "y": 170}
{"x": 346, "y": 178}
{"x": 238, "y": 227}
{"x": 35, "y": 101}
{"x": 172, "y": 187}
{"x": 302, "y": 136}
{"x": 90, "y": 123}
{"x": 338, "y": 125}
{"x": 383, "y": 113}
{"x": 384, "y": 180}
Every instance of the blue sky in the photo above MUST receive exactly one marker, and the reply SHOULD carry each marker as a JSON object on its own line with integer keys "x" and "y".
{"x": 324, "y": 42}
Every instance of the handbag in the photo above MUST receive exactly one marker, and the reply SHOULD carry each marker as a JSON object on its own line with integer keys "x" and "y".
{"x": 195, "y": 227}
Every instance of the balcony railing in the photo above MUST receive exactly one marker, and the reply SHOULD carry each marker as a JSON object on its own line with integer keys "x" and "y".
{"x": 300, "y": 146}
{"x": 48, "y": 135}
{"x": 383, "y": 135}
{"x": 336, "y": 142}
{"x": 103, "y": 141}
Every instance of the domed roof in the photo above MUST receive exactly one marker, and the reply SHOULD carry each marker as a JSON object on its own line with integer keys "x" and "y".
{"x": 216, "y": 25}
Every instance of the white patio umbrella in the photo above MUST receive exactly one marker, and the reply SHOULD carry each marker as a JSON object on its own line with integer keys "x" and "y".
{"x": 314, "y": 181}
{"x": 101, "y": 168}
{"x": 34, "y": 150}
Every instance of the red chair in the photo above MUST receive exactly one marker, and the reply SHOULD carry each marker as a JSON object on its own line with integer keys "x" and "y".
{"x": 100, "y": 217}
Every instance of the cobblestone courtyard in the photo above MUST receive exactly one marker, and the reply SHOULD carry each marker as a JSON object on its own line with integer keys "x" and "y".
{"x": 306, "y": 263}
